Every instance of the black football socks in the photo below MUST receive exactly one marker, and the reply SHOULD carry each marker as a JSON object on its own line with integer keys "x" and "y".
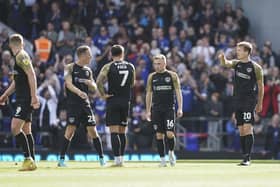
{"x": 30, "y": 140}
{"x": 23, "y": 142}
{"x": 98, "y": 146}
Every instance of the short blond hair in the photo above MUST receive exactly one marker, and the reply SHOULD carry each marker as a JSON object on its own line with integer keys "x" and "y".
{"x": 82, "y": 49}
{"x": 159, "y": 56}
{"x": 16, "y": 39}
{"x": 247, "y": 46}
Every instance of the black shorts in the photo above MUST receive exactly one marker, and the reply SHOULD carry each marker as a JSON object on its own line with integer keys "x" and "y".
{"x": 80, "y": 114}
{"x": 117, "y": 113}
{"x": 244, "y": 111}
{"x": 163, "y": 119}
{"x": 23, "y": 111}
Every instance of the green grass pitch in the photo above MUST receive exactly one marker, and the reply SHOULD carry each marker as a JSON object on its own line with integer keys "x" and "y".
{"x": 187, "y": 173}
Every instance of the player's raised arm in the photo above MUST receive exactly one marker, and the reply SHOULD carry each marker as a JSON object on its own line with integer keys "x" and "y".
{"x": 24, "y": 62}
{"x": 177, "y": 86}
{"x": 149, "y": 97}
{"x": 259, "y": 76}
{"x": 68, "y": 82}
{"x": 225, "y": 62}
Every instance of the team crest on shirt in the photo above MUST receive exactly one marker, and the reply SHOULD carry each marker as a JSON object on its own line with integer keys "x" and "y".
{"x": 167, "y": 79}
{"x": 71, "y": 119}
{"x": 249, "y": 70}
{"x": 155, "y": 127}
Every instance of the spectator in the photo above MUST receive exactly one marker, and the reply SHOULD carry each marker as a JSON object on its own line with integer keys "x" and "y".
{"x": 35, "y": 24}
{"x": 48, "y": 100}
{"x": 102, "y": 39}
{"x": 43, "y": 46}
{"x": 272, "y": 140}
{"x": 55, "y": 16}
{"x": 51, "y": 33}
{"x": 243, "y": 23}
{"x": 66, "y": 40}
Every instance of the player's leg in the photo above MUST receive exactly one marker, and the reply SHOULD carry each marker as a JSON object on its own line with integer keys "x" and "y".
{"x": 116, "y": 143}
{"x": 112, "y": 121}
{"x": 249, "y": 140}
{"x": 170, "y": 129}
{"x": 245, "y": 120}
{"x": 22, "y": 115}
{"x": 69, "y": 133}
{"x": 90, "y": 122}
{"x": 122, "y": 135}
{"x": 73, "y": 121}
{"x": 161, "y": 148}
{"x": 97, "y": 143}
{"x": 21, "y": 140}
{"x": 239, "y": 122}
{"x": 28, "y": 132}
{"x": 171, "y": 145}
{"x": 158, "y": 123}
{"x": 122, "y": 130}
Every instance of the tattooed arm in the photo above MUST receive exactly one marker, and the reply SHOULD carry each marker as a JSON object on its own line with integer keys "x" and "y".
{"x": 24, "y": 61}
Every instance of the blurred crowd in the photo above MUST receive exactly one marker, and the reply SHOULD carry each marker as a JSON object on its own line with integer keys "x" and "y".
{"x": 191, "y": 33}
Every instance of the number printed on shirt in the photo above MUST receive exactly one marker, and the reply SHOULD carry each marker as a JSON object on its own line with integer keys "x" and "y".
{"x": 125, "y": 73}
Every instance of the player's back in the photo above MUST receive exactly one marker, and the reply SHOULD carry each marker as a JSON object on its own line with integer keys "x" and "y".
{"x": 22, "y": 88}
{"x": 120, "y": 80}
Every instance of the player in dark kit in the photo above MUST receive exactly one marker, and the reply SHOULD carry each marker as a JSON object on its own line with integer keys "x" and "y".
{"x": 78, "y": 82}
{"x": 248, "y": 94}
{"x": 160, "y": 106}
{"x": 25, "y": 85}
{"x": 120, "y": 76}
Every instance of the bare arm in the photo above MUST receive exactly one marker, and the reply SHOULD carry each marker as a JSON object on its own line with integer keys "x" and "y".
{"x": 68, "y": 82}
{"x": 226, "y": 63}
{"x": 25, "y": 63}
{"x": 134, "y": 76}
{"x": 7, "y": 93}
{"x": 149, "y": 93}
{"x": 101, "y": 79}
{"x": 177, "y": 86}
{"x": 91, "y": 83}
{"x": 259, "y": 76}
{"x": 10, "y": 89}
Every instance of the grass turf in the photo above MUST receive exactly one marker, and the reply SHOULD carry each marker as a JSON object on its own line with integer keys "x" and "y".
{"x": 187, "y": 173}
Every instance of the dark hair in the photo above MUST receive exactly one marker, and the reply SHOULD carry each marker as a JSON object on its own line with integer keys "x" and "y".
{"x": 82, "y": 49}
{"x": 117, "y": 50}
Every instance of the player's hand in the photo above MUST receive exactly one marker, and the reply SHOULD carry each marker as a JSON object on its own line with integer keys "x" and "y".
{"x": 106, "y": 96}
{"x": 83, "y": 95}
{"x": 3, "y": 99}
{"x": 35, "y": 102}
{"x": 221, "y": 56}
{"x": 179, "y": 113}
{"x": 148, "y": 116}
{"x": 259, "y": 108}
